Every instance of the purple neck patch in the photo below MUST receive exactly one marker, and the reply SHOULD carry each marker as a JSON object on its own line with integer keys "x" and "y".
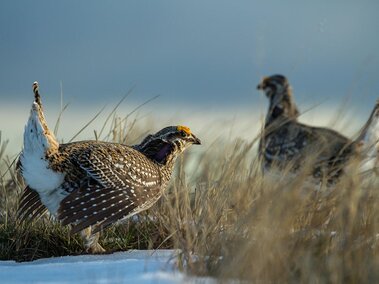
{"x": 162, "y": 154}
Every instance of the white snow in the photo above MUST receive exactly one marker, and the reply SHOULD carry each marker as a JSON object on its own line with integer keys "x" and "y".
{"x": 147, "y": 266}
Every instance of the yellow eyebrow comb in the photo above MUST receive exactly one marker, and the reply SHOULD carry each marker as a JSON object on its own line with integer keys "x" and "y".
{"x": 184, "y": 128}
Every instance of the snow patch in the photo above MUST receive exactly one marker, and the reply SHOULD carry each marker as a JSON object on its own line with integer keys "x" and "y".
{"x": 123, "y": 267}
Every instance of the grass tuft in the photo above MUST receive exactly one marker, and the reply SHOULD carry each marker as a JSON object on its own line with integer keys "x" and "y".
{"x": 227, "y": 220}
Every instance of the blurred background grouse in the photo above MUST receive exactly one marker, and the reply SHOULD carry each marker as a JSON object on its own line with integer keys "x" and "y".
{"x": 287, "y": 143}
{"x": 91, "y": 184}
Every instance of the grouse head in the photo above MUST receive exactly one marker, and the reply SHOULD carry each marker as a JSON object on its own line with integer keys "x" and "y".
{"x": 279, "y": 92}
{"x": 165, "y": 145}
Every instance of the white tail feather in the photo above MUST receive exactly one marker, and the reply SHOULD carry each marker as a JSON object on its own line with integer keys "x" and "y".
{"x": 38, "y": 142}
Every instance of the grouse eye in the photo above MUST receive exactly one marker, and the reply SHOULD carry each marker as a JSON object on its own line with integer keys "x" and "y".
{"x": 183, "y": 134}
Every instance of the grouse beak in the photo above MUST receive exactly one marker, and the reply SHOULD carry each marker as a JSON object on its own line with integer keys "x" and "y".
{"x": 262, "y": 83}
{"x": 195, "y": 140}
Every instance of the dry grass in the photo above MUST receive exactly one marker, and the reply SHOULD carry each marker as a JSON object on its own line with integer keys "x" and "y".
{"x": 228, "y": 221}
{"x": 244, "y": 227}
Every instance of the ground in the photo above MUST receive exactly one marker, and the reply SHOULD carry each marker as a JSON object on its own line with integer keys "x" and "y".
{"x": 137, "y": 266}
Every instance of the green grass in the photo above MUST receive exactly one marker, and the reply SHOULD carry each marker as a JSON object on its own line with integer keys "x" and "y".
{"x": 228, "y": 221}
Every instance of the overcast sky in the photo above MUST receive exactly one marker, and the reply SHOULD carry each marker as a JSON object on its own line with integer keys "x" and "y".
{"x": 204, "y": 59}
{"x": 205, "y": 53}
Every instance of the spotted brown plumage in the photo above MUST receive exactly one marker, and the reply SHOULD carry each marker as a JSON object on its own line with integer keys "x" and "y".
{"x": 285, "y": 142}
{"x": 90, "y": 184}
{"x": 119, "y": 181}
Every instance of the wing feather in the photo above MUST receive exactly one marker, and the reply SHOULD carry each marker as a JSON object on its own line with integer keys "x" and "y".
{"x": 30, "y": 206}
{"x": 120, "y": 181}
{"x": 91, "y": 220}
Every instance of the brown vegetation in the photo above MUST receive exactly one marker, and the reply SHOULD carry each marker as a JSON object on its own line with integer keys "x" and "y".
{"x": 227, "y": 221}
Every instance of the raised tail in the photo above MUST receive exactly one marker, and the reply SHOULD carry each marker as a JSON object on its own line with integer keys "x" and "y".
{"x": 368, "y": 141}
{"x": 37, "y": 134}
{"x": 39, "y": 143}
{"x": 37, "y": 97}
